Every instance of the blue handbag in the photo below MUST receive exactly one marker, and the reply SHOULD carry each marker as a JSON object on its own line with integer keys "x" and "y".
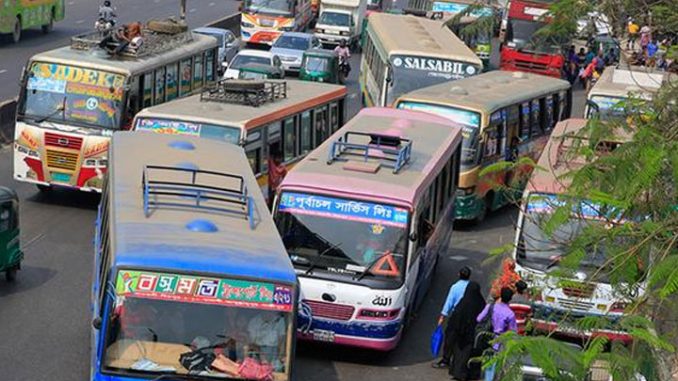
{"x": 437, "y": 340}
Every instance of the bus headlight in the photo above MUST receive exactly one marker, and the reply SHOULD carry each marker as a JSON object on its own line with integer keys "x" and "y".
{"x": 245, "y": 24}
{"x": 288, "y": 28}
{"x": 367, "y": 314}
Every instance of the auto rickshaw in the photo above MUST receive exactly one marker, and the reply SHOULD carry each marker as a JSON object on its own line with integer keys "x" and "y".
{"x": 10, "y": 251}
{"x": 259, "y": 71}
{"x": 319, "y": 65}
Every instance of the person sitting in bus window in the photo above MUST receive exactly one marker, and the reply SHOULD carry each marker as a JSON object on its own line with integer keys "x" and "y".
{"x": 135, "y": 319}
{"x": 235, "y": 335}
{"x": 276, "y": 174}
{"x": 267, "y": 337}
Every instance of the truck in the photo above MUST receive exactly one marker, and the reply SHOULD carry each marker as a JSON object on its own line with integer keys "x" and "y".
{"x": 340, "y": 20}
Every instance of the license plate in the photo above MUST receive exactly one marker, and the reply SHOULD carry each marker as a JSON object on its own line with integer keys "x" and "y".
{"x": 61, "y": 177}
{"x": 321, "y": 335}
{"x": 331, "y": 32}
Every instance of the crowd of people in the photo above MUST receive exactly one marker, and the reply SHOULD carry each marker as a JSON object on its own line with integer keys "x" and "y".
{"x": 648, "y": 48}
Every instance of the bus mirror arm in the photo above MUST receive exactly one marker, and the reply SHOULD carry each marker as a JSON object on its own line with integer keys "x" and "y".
{"x": 413, "y": 237}
{"x": 96, "y": 323}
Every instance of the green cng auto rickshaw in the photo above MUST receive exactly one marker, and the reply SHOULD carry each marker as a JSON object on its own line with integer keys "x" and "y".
{"x": 10, "y": 252}
{"x": 319, "y": 65}
{"x": 259, "y": 71}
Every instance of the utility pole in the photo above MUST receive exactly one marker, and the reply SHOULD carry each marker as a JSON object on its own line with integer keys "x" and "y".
{"x": 182, "y": 11}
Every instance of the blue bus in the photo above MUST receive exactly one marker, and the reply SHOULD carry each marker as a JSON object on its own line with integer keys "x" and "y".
{"x": 191, "y": 276}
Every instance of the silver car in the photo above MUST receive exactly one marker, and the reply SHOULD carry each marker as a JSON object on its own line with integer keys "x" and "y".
{"x": 290, "y": 47}
{"x": 229, "y": 44}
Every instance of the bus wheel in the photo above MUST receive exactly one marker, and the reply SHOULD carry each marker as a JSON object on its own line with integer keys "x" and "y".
{"x": 16, "y": 34}
{"x": 50, "y": 25}
{"x": 44, "y": 188}
{"x": 10, "y": 275}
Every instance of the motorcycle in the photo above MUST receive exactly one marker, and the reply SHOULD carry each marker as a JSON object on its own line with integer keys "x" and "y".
{"x": 102, "y": 24}
{"x": 344, "y": 69}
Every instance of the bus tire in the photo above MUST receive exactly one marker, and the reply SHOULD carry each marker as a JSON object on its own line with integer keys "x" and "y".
{"x": 16, "y": 34}
{"x": 44, "y": 188}
{"x": 10, "y": 275}
{"x": 50, "y": 24}
{"x": 487, "y": 201}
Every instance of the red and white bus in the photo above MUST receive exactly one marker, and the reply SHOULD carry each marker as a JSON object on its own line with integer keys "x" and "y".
{"x": 262, "y": 21}
{"x": 365, "y": 219}
{"x": 521, "y": 51}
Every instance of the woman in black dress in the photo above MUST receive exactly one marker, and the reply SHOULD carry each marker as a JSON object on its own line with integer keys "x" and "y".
{"x": 463, "y": 321}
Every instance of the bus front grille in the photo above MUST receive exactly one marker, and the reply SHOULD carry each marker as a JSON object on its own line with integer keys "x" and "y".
{"x": 330, "y": 310}
{"x": 63, "y": 141}
{"x": 62, "y": 160}
{"x": 579, "y": 290}
{"x": 575, "y": 304}
{"x": 529, "y": 65}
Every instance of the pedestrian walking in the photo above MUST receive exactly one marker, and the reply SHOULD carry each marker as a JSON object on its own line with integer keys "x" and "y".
{"x": 454, "y": 296}
{"x": 645, "y": 37}
{"x": 633, "y": 30}
{"x": 461, "y": 328}
{"x": 503, "y": 320}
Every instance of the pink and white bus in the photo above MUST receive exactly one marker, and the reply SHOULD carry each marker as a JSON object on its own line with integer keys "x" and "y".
{"x": 364, "y": 218}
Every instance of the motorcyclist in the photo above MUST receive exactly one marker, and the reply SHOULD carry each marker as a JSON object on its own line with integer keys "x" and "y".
{"x": 344, "y": 54}
{"x": 107, "y": 13}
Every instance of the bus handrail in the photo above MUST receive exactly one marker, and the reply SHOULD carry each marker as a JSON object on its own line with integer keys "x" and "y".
{"x": 153, "y": 42}
{"x": 248, "y": 92}
{"x": 196, "y": 191}
{"x": 395, "y": 155}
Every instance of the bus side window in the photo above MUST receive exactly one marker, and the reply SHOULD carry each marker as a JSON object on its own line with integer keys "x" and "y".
{"x": 548, "y": 107}
{"x": 434, "y": 199}
{"x": 5, "y": 216}
{"x": 535, "y": 119}
{"x": 524, "y": 121}
{"x": 210, "y": 66}
{"x": 148, "y": 89}
{"x": 274, "y": 144}
{"x": 321, "y": 125}
{"x": 172, "y": 85}
{"x": 135, "y": 92}
{"x": 334, "y": 117}
{"x": 159, "y": 85}
{"x": 305, "y": 133}
{"x": 186, "y": 74}
{"x": 495, "y": 139}
{"x": 289, "y": 139}
{"x": 198, "y": 71}
{"x": 513, "y": 121}
{"x": 253, "y": 145}
{"x": 104, "y": 244}
{"x": 556, "y": 108}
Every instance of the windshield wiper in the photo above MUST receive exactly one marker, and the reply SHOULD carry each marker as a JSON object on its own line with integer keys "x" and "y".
{"x": 374, "y": 262}
{"x": 61, "y": 108}
{"x": 317, "y": 258}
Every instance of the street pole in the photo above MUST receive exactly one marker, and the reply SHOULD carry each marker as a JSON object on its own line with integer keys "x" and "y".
{"x": 182, "y": 12}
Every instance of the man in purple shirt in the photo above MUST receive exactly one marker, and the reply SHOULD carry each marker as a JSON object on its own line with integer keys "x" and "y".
{"x": 503, "y": 320}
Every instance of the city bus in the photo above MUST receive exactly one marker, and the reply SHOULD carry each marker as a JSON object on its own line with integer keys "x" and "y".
{"x": 72, "y": 99}
{"x": 480, "y": 43}
{"x": 521, "y": 50}
{"x": 16, "y": 16}
{"x": 502, "y": 113}
{"x": 559, "y": 304}
{"x": 262, "y": 21}
{"x": 404, "y": 53}
{"x": 365, "y": 218}
{"x": 293, "y": 124}
{"x": 191, "y": 276}
{"x": 616, "y": 86}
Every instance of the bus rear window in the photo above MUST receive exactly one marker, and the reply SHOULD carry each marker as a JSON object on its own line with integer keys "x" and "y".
{"x": 79, "y": 95}
{"x": 203, "y": 130}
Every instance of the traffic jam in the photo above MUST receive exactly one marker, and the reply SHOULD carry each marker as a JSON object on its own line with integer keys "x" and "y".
{"x": 300, "y": 175}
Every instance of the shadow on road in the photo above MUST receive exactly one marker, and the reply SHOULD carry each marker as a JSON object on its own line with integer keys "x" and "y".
{"x": 494, "y": 219}
{"x": 28, "y": 278}
{"x": 66, "y": 197}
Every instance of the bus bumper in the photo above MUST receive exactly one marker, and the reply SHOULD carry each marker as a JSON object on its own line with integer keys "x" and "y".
{"x": 563, "y": 330}
{"x": 468, "y": 207}
{"x": 369, "y": 335}
{"x": 262, "y": 37}
{"x": 563, "y": 323}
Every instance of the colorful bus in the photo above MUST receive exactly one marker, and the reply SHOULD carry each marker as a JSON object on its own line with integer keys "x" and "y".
{"x": 304, "y": 115}
{"x": 190, "y": 272}
{"x": 72, "y": 100}
{"x": 504, "y": 114}
{"x": 521, "y": 50}
{"x": 559, "y": 304}
{"x": 15, "y": 16}
{"x": 365, "y": 218}
{"x": 262, "y": 21}
{"x": 616, "y": 86}
{"x": 480, "y": 43}
{"x": 404, "y": 53}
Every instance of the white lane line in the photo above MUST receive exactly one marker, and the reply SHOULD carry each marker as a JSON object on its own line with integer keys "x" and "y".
{"x": 71, "y": 2}
{"x": 192, "y": 10}
{"x": 211, "y": 4}
{"x": 80, "y": 21}
{"x": 3, "y": 71}
{"x": 458, "y": 258}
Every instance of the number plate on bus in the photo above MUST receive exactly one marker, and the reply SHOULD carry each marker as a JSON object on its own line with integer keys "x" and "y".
{"x": 322, "y": 335}
{"x": 61, "y": 177}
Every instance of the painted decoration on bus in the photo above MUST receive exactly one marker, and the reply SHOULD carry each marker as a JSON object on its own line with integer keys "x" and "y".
{"x": 300, "y": 203}
{"x": 434, "y": 67}
{"x": 206, "y": 290}
{"x": 447, "y": 7}
{"x": 75, "y": 94}
{"x": 548, "y": 203}
{"x": 174, "y": 127}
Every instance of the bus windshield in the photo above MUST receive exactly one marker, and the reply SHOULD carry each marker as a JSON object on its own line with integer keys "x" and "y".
{"x": 410, "y": 73}
{"x": 349, "y": 237}
{"x": 335, "y": 19}
{"x": 177, "y": 127}
{"x": 70, "y": 94}
{"x": 608, "y": 107}
{"x": 521, "y": 32}
{"x": 469, "y": 121}
{"x": 539, "y": 251}
{"x": 271, "y": 7}
{"x": 157, "y": 318}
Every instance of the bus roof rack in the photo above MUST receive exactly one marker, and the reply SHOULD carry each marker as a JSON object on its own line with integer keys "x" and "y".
{"x": 245, "y": 91}
{"x": 153, "y": 41}
{"x": 162, "y": 190}
{"x": 393, "y": 151}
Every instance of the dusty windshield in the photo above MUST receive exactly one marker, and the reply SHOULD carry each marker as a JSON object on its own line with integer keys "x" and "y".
{"x": 316, "y": 64}
{"x": 168, "y": 323}
{"x": 335, "y": 19}
{"x": 76, "y": 95}
{"x": 610, "y": 107}
{"x": 413, "y": 72}
{"x": 242, "y": 60}
{"x": 354, "y": 238}
{"x": 469, "y": 121}
{"x": 543, "y": 252}
{"x": 269, "y": 7}
{"x": 178, "y": 127}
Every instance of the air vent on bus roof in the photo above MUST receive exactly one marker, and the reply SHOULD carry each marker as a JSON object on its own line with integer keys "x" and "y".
{"x": 387, "y": 150}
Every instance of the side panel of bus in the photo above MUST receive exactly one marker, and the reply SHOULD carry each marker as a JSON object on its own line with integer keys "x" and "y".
{"x": 373, "y": 73}
{"x": 31, "y": 13}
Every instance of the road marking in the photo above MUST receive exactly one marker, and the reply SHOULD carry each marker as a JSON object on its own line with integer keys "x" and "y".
{"x": 192, "y": 10}
{"x": 3, "y": 71}
{"x": 211, "y": 4}
{"x": 80, "y": 21}
{"x": 71, "y": 2}
{"x": 458, "y": 258}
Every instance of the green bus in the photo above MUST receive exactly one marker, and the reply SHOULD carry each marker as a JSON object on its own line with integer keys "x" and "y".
{"x": 17, "y": 15}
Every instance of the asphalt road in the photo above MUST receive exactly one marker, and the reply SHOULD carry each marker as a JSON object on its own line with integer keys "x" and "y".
{"x": 45, "y": 317}
{"x": 80, "y": 17}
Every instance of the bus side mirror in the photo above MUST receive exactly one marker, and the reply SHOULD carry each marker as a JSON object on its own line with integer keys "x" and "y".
{"x": 413, "y": 237}
{"x": 593, "y": 108}
{"x": 96, "y": 323}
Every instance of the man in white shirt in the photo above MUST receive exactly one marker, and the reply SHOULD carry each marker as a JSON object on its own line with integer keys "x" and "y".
{"x": 267, "y": 331}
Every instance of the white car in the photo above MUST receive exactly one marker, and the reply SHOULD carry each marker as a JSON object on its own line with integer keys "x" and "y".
{"x": 251, "y": 56}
